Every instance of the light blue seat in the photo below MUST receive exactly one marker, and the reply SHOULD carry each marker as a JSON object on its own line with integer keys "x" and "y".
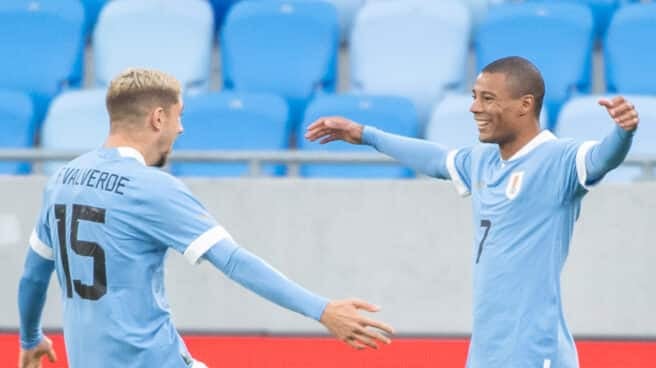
{"x": 629, "y": 55}
{"x": 453, "y": 125}
{"x": 232, "y": 121}
{"x": 39, "y": 43}
{"x": 284, "y": 47}
{"x": 583, "y": 119}
{"x": 416, "y": 49}
{"x": 92, "y": 9}
{"x": 76, "y": 121}
{"x": 16, "y": 116}
{"x": 174, "y": 36}
{"x": 393, "y": 114}
{"x": 602, "y": 12}
{"x": 346, "y": 10}
{"x": 556, "y": 36}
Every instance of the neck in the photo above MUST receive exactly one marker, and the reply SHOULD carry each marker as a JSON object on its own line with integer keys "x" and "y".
{"x": 508, "y": 149}
{"x": 117, "y": 139}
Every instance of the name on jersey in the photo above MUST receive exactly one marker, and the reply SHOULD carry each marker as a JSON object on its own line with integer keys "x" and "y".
{"x": 92, "y": 178}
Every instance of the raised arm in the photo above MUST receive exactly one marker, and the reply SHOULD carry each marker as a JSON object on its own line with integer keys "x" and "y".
{"x": 612, "y": 150}
{"x": 340, "y": 317}
{"x": 422, "y": 156}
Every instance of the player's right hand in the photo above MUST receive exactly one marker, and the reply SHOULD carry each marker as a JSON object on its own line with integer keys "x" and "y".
{"x": 332, "y": 128}
{"x": 342, "y": 319}
{"x": 32, "y": 358}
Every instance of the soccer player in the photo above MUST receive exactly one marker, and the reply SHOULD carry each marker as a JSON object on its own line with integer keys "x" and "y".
{"x": 526, "y": 188}
{"x": 107, "y": 220}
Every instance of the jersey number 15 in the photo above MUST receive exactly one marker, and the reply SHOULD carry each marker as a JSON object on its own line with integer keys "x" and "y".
{"x": 82, "y": 248}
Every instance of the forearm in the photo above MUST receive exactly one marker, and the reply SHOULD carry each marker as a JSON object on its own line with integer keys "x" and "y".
{"x": 31, "y": 298}
{"x": 608, "y": 154}
{"x": 256, "y": 275}
{"x": 423, "y": 156}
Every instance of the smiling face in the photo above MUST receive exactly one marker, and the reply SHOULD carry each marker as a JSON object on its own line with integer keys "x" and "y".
{"x": 495, "y": 110}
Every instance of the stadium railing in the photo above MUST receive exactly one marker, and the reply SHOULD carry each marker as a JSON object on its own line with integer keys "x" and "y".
{"x": 291, "y": 159}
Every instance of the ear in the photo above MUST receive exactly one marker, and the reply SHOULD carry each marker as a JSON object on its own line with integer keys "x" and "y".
{"x": 156, "y": 118}
{"x": 527, "y": 104}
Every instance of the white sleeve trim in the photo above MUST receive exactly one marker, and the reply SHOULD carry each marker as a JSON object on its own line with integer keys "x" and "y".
{"x": 204, "y": 242}
{"x": 581, "y": 170}
{"x": 40, "y": 247}
{"x": 457, "y": 181}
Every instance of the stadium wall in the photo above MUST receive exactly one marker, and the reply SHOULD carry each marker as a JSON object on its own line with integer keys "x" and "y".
{"x": 405, "y": 245}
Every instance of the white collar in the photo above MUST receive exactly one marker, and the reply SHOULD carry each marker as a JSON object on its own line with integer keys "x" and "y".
{"x": 131, "y": 152}
{"x": 543, "y": 137}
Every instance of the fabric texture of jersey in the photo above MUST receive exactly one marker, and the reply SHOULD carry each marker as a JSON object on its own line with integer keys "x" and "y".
{"x": 524, "y": 210}
{"x": 107, "y": 221}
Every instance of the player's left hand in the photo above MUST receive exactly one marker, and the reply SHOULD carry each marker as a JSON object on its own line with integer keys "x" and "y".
{"x": 622, "y": 111}
{"x": 32, "y": 358}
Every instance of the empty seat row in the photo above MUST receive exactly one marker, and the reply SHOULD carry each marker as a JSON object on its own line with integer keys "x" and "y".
{"x": 78, "y": 121}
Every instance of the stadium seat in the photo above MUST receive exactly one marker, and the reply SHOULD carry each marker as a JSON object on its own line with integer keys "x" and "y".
{"x": 393, "y": 114}
{"x": 346, "y": 10}
{"x": 91, "y": 10}
{"x": 583, "y": 119}
{"x": 602, "y": 12}
{"x": 452, "y": 124}
{"x": 174, "y": 36}
{"x": 284, "y": 47}
{"x": 39, "y": 43}
{"x": 76, "y": 121}
{"x": 556, "y": 36}
{"x": 629, "y": 58}
{"x": 232, "y": 121}
{"x": 416, "y": 49}
{"x": 16, "y": 116}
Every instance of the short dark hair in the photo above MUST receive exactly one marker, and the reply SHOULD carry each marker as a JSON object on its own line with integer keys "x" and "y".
{"x": 522, "y": 76}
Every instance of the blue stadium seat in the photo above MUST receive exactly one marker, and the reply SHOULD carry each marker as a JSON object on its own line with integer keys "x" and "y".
{"x": 284, "y": 47}
{"x": 220, "y": 9}
{"x": 174, "y": 36}
{"x": 452, "y": 124}
{"x": 232, "y": 121}
{"x": 583, "y": 119}
{"x": 346, "y": 10}
{"x": 602, "y": 12}
{"x": 91, "y": 10}
{"x": 416, "y": 49}
{"x": 629, "y": 57}
{"x": 39, "y": 43}
{"x": 76, "y": 121}
{"x": 16, "y": 117}
{"x": 393, "y": 114}
{"x": 556, "y": 36}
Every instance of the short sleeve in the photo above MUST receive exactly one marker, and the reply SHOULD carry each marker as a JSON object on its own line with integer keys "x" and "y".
{"x": 40, "y": 241}
{"x": 178, "y": 220}
{"x": 458, "y": 164}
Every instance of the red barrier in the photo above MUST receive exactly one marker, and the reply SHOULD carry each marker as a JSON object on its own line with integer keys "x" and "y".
{"x": 315, "y": 352}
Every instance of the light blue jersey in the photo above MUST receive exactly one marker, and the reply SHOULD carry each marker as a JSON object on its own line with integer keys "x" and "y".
{"x": 524, "y": 210}
{"x": 107, "y": 221}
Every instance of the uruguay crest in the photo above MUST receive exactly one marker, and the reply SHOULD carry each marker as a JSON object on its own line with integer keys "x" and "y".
{"x": 514, "y": 184}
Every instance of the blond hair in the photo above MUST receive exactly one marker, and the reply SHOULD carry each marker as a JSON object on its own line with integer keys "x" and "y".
{"x": 135, "y": 92}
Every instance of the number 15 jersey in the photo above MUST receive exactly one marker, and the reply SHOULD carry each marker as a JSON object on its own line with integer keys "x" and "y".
{"x": 107, "y": 221}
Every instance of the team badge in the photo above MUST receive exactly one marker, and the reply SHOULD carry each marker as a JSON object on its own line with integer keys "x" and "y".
{"x": 514, "y": 184}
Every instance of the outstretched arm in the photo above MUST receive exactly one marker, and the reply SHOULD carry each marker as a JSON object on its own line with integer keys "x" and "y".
{"x": 340, "y": 317}
{"x": 31, "y": 298}
{"x": 612, "y": 150}
{"x": 422, "y": 156}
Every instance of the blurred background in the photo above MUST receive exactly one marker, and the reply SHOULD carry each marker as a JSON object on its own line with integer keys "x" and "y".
{"x": 255, "y": 73}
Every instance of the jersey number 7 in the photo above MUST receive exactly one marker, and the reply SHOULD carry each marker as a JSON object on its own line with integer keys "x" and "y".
{"x": 82, "y": 248}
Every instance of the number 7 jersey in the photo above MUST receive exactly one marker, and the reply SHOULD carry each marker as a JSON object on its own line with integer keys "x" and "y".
{"x": 107, "y": 221}
{"x": 524, "y": 210}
